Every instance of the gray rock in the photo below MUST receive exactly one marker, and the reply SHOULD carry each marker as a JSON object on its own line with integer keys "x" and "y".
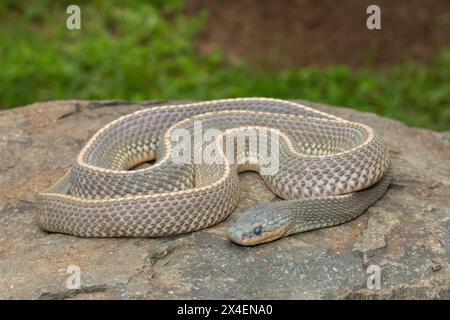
{"x": 406, "y": 234}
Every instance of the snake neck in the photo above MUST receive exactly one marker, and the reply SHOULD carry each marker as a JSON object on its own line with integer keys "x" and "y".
{"x": 314, "y": 213}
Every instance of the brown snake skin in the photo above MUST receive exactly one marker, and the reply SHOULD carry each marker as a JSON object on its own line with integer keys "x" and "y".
{"x": 320, "y": 157}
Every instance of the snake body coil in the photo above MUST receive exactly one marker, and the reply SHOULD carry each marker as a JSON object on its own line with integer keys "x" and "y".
{"x": 328, "y": 169}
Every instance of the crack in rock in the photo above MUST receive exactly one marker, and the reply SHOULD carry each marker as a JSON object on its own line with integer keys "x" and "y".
{"x": 71, "y": 293}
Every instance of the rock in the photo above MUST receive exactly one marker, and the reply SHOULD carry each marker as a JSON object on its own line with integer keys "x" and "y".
{"x": 405, "y": 234}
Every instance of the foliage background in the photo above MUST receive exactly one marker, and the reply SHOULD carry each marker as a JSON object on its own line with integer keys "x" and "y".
{"x": 141, "y": 50}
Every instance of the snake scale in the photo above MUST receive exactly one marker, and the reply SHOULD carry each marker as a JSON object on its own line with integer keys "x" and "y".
{"x": 329, "y": 171}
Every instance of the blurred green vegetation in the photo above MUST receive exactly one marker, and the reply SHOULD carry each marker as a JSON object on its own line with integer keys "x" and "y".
{"x": 140, "y": 50}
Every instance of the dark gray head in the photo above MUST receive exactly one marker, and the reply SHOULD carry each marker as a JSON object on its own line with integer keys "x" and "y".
{"x": 259, "y": 224}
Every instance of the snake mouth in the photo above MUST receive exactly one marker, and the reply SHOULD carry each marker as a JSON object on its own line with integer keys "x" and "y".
{"x": 252, "y": 240}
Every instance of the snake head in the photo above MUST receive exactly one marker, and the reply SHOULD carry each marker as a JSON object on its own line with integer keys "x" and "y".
{"x": 257, "y": 225}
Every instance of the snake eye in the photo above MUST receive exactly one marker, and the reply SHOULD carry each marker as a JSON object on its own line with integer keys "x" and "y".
{"x": 257, "y": 230}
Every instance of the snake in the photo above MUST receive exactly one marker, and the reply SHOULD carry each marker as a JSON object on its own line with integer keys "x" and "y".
{"x": 323, "y": 170}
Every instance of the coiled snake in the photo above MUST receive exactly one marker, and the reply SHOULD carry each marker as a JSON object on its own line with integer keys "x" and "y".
{"x": 328, "y": 170}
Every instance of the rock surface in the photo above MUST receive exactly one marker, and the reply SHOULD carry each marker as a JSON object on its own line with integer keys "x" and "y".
{"x": 406, "y": 234}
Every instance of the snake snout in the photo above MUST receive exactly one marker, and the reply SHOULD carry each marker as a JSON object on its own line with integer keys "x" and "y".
{"x": 236, "y": 235}
{"x": 239, "y": 233}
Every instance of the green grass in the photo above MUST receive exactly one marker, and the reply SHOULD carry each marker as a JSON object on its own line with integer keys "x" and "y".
{"x": 135, "y": 50}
